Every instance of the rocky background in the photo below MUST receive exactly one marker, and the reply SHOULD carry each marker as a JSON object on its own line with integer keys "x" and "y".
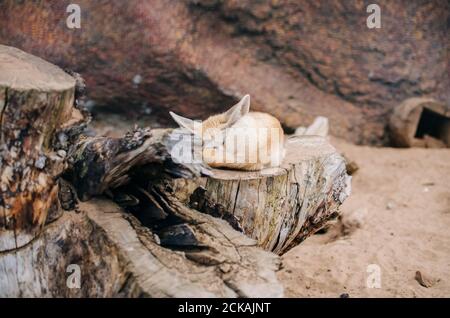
{"x": 297, "y": 59}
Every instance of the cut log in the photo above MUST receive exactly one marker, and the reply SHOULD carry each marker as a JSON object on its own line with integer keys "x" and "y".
{"x": 118, "y": 257}
{"x": 278, "y": 207}
{"x": 36, "y": 101}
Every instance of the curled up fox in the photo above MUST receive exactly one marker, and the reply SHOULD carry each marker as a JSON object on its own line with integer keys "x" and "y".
{"x": 238, "y": 139}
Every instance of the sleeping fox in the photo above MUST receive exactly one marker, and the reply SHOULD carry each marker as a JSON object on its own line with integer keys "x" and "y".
{"x": 238, "y": 139}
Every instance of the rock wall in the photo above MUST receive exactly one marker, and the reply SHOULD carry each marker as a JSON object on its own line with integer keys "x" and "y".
{"x": 298, "y": 59}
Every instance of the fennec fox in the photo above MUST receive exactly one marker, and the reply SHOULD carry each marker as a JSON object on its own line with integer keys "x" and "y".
{"x": 238, "y": 139}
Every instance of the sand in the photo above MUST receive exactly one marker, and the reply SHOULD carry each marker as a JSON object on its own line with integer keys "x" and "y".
{"x": 401, "y": 203}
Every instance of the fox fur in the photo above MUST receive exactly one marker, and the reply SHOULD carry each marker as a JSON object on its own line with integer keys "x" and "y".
{"x": 239, "y": 139}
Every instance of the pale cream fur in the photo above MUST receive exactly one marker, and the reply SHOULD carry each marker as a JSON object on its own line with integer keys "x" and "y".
{"x": 252, "y": 140}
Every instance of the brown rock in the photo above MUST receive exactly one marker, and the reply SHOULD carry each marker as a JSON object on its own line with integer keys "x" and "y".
{"x": 425, "y": 280}
{"x": 298, "y": 60}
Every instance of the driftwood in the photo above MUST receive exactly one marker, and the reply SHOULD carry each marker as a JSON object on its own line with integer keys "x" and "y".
{"x": 175, "y": 229}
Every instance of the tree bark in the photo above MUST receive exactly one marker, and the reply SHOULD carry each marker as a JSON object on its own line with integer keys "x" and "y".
{"x": 36, "y": 101}
{"x": 118, "y": 257}
{"x": 277, "y": 207}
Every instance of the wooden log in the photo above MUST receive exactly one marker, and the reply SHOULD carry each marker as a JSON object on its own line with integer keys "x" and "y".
{"x": 187, "y": 254}
{"x": 278, "y": 207}
{"x": 184, "y": 253}
{"x": 36, "y": 101}
{"x": 101, "y": 163}
{"x": 118, "y": 257}
{"x": 169, "y": 248}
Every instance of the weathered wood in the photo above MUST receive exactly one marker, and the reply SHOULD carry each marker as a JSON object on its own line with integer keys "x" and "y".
{"x": 36, "y": 101}
{"x": 118, "y": 257}
{"x": 101, "y": 163}
{"x": 278, "y": 207}
{"x": 39, "y": 269}
{"x": 216, "y": 261}
{"x": 196, "y": 256}
{"x": 168, "y": 248}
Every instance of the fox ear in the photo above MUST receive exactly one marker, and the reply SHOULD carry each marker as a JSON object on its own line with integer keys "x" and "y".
{"x": 184, "y": 122}
{"x": 238, "y": 111}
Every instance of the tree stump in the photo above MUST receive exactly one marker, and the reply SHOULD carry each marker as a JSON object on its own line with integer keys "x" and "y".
{"x": 36, "y": 100}
{"x": 278, "y": 207}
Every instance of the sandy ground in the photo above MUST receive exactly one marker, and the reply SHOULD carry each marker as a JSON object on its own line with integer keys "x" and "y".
{"x": 398, "y": 218}
{"x": 396, "y": 222}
